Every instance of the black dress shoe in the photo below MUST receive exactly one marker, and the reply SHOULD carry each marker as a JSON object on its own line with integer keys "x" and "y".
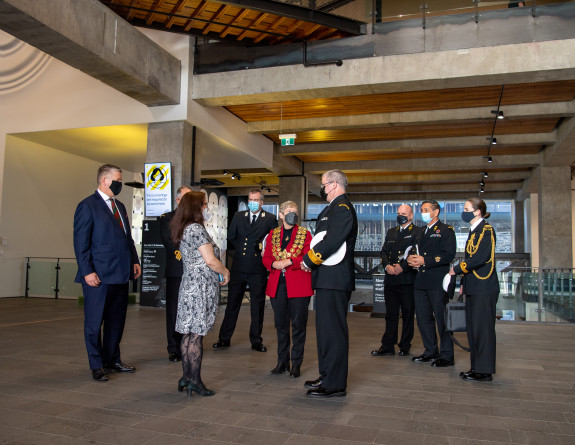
{"x": 280, "y": 369}
{"x": 221, "y": 344}
{"x": 119, "y": 367}
{"x": 259, "y": 347}
{"x": 403, "y": 352}
{"x": 423, "y": 358}
{"x": 174, "y": 356}
{"x": 313, "y": 384}
{"x": 463, "y": 374}
{"x": 324, "y": 392}
{"x": 294, "y": 371}
{"x": 478, "y": 377}
{"x": 99, "y": 375}
{"x": 382, "y": 351}
{"x": 442, "y": 363}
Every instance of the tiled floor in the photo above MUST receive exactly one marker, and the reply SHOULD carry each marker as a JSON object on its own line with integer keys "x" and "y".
{"x": 47, "y": 394}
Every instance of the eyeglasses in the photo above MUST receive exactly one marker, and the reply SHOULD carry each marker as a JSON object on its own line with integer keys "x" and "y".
{"x": 327, "y": 183}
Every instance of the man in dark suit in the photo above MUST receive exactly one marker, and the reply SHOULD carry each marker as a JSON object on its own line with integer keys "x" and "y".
{"x": 173, "y": 273}
{"x": 434, "y": 252}
{"x": 246, "y": 233}
{"x": 107, "y": 259}
{"x": 333, "y": 285}
{"x": 398, "y": 284}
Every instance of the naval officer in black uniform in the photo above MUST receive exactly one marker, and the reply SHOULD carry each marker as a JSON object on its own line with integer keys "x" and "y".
{"x": 433, "y": 254}
{"x": 481, "y": 288}
{"x": 333, "y": 286}
{"x": 246, "y": 233}
{"x": 173, "y": 274}
{"x": 398, "y": 283}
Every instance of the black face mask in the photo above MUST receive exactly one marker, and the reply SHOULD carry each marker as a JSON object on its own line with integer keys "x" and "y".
{"x": 291, "y": 218}
{"x": 401, "y": 219}
{"x": 322, "y": 192}
{"x": 116, "y": 187}
{"x": 467, "y": 216}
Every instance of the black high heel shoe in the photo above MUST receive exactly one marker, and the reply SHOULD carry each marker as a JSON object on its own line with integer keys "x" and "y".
{"x": 182, "y": 384}
{"x": 200, "y": 389}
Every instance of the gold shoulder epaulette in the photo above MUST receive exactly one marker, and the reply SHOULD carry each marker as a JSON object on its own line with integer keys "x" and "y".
{"x": 344, "y": 205}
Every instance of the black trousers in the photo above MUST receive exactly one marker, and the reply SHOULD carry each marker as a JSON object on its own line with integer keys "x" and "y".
{"x": 430, "y": 310}
{"x": 480, "y": 319}
{"x": 105, "y": 310}
{"x": 396, "y": 298}
{"x": 172, "y": 291}
{"x": 286, "y": 310}
{"x": 332, "y": 336}
{"x": 236, "y": 290}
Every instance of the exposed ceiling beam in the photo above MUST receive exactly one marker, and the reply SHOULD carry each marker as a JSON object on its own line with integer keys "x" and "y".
{"x": 443, "y": 177}
{"x": 91, "y": 38}
{"x": 471, "y": 186}
{"x": 556, "y": 109}
{"x": 416, "y": 144}
{"x": 562, "y": 152}
{"x": 425, "y": 164}
{"x": 296, "y": 12}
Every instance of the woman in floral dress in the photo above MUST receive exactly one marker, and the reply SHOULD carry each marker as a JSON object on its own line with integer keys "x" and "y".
{"x": 199, "y": 295}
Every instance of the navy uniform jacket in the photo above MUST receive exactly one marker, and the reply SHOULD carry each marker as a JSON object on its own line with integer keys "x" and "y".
{"x": 437, "y": 247}
{"x": 174, "y": 266}
{"x": 247, "y": 240}
{"x": 100, "y": 244}
{"x": 339, "y": 220}
{"x": 478, "y": 268}
{"x": 394, "y": 246}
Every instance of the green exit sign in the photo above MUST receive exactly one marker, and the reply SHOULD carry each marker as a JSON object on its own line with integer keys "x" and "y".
{"x": 287, "y": 139}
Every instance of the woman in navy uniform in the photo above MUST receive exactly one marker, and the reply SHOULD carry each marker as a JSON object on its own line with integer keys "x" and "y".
{"x": 481, "y": 287}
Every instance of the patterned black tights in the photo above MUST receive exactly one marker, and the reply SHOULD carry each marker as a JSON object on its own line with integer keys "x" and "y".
{"x": 192, "y": 351}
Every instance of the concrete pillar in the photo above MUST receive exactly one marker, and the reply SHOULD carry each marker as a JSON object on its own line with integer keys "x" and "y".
{"x": 555, "y": 219}
{"x": 519, "y": 227}
{"x": 175, "y": 142}
{"x": 293, "y": 188}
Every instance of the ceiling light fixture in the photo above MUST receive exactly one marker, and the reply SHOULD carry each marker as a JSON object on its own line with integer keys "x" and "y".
{"x": 485, "y": 174}
{"x": 499, "y": 114}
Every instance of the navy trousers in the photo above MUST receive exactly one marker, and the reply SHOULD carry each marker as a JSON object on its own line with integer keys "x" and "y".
{"x": 105, "y": 310}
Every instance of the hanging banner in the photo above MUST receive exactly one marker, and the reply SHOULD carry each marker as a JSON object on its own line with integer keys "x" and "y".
{"x": 158, "y": 190}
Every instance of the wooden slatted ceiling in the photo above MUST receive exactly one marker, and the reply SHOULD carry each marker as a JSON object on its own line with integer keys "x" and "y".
{"x": 443, "y": 130}
{"x": 214, "y": 18}
{"x": 326, "y": 156}
{"x": 560, "y": 91}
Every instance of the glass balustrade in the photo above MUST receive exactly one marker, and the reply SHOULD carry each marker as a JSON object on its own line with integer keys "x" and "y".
{"x": 52, "y": 277}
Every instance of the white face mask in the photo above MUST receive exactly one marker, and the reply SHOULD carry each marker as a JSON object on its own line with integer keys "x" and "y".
{"x": 426, "y": 217}
{"x": 206, "y": 214}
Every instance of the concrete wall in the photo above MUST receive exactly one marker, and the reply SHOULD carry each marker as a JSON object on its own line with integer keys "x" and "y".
{"x": 43, "y": 187}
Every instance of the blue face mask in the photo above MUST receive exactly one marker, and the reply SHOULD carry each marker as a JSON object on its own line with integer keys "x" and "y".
{"x": 253, "y": 206}
{"x": 426, "y": 217}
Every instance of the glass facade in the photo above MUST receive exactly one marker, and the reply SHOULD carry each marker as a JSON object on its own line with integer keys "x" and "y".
{"x": 376, "y": 218}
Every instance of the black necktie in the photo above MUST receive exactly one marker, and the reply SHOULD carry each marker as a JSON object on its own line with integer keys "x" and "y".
{"x": 254, "y": 219}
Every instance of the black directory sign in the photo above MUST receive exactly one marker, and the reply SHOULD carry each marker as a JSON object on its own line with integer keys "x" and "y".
{"x": 153, "y": 264}
{"x": 378, "y": 294}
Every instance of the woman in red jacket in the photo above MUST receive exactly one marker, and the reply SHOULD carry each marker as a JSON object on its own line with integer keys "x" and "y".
{"x": 289, "y": 287}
